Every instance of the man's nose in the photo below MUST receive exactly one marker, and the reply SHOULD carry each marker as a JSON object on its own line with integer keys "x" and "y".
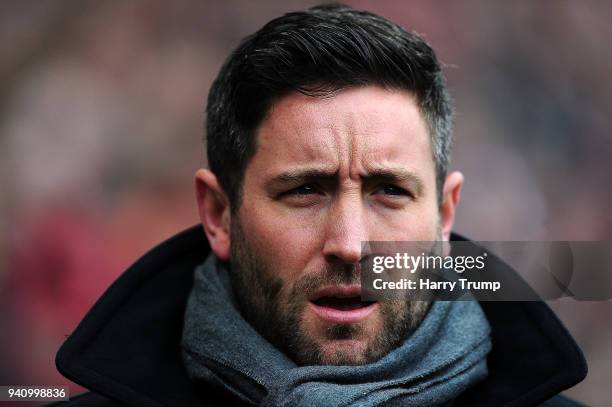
{"x": 345, "y": 231}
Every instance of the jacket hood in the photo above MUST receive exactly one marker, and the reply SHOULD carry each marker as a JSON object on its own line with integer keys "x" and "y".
{"x": 127, "y": 348}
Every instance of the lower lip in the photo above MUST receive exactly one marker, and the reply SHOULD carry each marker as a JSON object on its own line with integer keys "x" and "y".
{"x": 343, "y": 316}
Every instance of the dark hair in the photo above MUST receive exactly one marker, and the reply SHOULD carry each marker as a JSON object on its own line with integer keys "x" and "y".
{"x": 316, "y": 52}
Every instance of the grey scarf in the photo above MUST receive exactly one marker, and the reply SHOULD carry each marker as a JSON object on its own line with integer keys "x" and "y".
{"x": 442, "y": 358}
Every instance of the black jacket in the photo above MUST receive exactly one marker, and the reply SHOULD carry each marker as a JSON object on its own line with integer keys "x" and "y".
{"x": 127, "y": 348}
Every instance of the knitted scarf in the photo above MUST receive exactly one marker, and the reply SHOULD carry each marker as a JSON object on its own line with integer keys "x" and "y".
{"x": 444, "y": 356}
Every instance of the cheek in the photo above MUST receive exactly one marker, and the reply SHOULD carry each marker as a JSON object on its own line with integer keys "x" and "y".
{"x": 417, "y": 223}
{"x": 286, "y": 244}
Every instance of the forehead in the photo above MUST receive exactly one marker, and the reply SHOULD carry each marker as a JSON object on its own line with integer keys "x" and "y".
{"x": 354, "y": 128}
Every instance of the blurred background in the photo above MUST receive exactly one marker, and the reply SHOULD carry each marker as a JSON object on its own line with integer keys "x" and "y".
{"x": 101, "y": 117}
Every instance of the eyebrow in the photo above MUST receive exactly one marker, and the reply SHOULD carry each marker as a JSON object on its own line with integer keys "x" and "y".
{"x": 391, "y": 175}
{"x": 397, "y": 175}
{"x": 298, "y": 176}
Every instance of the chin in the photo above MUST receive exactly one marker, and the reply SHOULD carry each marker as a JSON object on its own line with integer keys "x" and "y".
{"x": 343, "y": 352}
{"x": 320, "y": 342}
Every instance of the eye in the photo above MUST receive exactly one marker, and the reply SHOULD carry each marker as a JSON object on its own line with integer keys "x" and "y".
{"x": 307, "y": 189}
{"x": 392, "y": 196}
{"x": 302, "y": 191}
{"x": 305, "y": 195}
{"x": 393, "y": 190}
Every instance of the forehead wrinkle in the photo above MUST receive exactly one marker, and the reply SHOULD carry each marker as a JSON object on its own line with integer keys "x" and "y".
{"x": 302, "y": 140}
{"x": 359, "y": 153}
{"x": 326, "y": 143}
{"x": 350, "y": 135}
{"x": 322, "y": 146}
{"x": 352, "y": 143}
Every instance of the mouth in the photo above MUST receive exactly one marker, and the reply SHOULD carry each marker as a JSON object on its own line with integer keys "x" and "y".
{"x": 341, "y": 304}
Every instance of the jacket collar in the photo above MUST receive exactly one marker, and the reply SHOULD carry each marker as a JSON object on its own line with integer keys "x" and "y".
{"x": 127, "y": 347}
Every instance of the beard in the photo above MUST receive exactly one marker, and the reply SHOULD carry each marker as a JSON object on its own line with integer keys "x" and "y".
{"x": 276, "y": 309}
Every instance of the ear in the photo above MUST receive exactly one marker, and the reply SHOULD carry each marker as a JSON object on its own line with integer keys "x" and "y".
{"x": 214, "y": 210}
{"x": 451, "y": 192}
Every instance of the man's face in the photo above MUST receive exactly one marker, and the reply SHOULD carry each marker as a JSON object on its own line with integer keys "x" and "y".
{"x": 329, "y": 173}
